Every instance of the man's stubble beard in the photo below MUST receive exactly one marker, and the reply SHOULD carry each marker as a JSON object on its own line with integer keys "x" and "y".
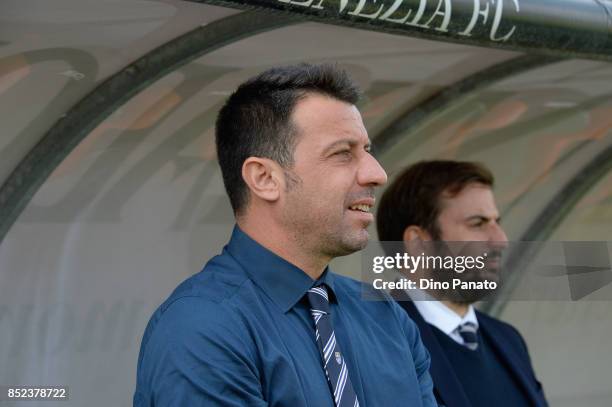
{"x": 321, "y": 237}
{"x": 459, "y": 296}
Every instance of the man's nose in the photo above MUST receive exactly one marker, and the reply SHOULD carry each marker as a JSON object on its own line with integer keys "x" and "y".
{"x": 498, "y": 236}
{"x": 371, "y": 172}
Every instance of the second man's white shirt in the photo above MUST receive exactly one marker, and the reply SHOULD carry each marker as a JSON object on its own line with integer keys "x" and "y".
{"x": 445, "y": 319}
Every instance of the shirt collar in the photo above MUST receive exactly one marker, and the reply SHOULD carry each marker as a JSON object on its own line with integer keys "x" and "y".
{"x": 283, "y": 282}
{"x": 439, "y": 315}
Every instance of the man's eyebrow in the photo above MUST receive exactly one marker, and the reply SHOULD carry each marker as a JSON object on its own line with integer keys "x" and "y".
{"x": 351, "y": 142}
{"x": 482, "y": 217}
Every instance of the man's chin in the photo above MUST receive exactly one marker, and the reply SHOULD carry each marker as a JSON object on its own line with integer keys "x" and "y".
{"x": 362, "y": 239}
{"x": 351, "y": 244}
{"x": 484, "y": 275}
{"x": 467, "y": 296}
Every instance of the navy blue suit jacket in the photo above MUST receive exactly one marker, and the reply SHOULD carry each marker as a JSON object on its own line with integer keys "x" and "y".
{"x": 506, "y": 340}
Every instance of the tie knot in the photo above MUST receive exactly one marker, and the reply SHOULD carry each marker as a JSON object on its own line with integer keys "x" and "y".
{"x": 469, "y": 333}
{"x": 319, "y": 298}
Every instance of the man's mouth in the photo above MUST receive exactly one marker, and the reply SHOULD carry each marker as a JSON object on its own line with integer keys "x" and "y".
{"x": 494, "y": 261}
{"x": 361, "y": 208}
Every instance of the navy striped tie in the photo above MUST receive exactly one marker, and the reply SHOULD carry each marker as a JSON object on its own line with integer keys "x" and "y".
{"x": 469, "y": 334}
{"x": 333, "y": 360}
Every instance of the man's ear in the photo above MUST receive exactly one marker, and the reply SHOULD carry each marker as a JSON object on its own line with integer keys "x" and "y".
{"x": 263, "y": 177}
{"x": 413, "y": 237}
{"x": 413, "y": 232}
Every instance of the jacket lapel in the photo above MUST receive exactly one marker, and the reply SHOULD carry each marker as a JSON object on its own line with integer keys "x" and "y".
{"x": 506, "y": 352}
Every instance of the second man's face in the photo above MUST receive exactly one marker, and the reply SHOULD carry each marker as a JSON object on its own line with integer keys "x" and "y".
{"x": 472, "y": 216}
{"x": 329, "y": 207}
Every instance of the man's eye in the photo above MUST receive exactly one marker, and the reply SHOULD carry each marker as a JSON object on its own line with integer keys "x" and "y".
{"x": 343, "y": 153}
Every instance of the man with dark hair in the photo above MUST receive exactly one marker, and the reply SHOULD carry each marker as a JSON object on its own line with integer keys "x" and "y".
{"x": 266, "y": 323}
{"x": 476, "y": 360}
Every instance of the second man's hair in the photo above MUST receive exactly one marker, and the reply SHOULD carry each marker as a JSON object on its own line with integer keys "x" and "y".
{"x": 414, "y": 196}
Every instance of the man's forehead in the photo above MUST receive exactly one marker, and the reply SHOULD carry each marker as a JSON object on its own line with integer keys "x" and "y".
{"x": 329, "y": 121}
{"x": 472, "y": 200}
{"x": 350, "y": 140}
